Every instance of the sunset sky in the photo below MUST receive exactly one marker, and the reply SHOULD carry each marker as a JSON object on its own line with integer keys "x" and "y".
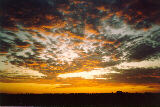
{"x": 79, "y": 46}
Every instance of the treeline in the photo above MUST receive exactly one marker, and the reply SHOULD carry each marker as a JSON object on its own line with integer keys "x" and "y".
{"x": 110, "y": 99}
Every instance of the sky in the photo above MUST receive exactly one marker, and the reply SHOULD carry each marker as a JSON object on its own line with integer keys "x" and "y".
{"x": 79, "y": 46}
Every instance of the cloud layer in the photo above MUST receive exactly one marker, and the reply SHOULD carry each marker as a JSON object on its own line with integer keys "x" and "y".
{"x": 50, "y": 38}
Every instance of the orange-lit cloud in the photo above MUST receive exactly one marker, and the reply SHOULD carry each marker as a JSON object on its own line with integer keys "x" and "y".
{"x": 74, "y": 45}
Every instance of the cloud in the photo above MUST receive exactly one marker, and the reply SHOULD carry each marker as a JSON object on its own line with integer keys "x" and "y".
{"x": 80, "y": 39}
{"x": 154, "y": 63}
{"x": 138, "y": 75}
{"x": 7, "y": 70}
{"x": 29, "y": 13}
{"x": 146, "y": 71}
{"x": 93, "y": 74}
{"x": 139, "y": 13}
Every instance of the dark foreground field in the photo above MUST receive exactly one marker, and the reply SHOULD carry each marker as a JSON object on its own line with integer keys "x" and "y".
{"x": 82, "y": 100}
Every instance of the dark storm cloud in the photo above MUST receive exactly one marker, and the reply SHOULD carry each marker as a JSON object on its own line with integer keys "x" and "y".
{"x": 140, "y": 13}
{"x": 11, "y": 34}
{"x": 20, "y": 42}
{"x": 141, "y": 46}
{"x": 35, "y": 13}
{"x": 144, "y": 10}
{"x": 137, "y": 75}
{"x": 30, "y": 13}
{"x": 4, "y": 46}
{"x": 143, "y": 51}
